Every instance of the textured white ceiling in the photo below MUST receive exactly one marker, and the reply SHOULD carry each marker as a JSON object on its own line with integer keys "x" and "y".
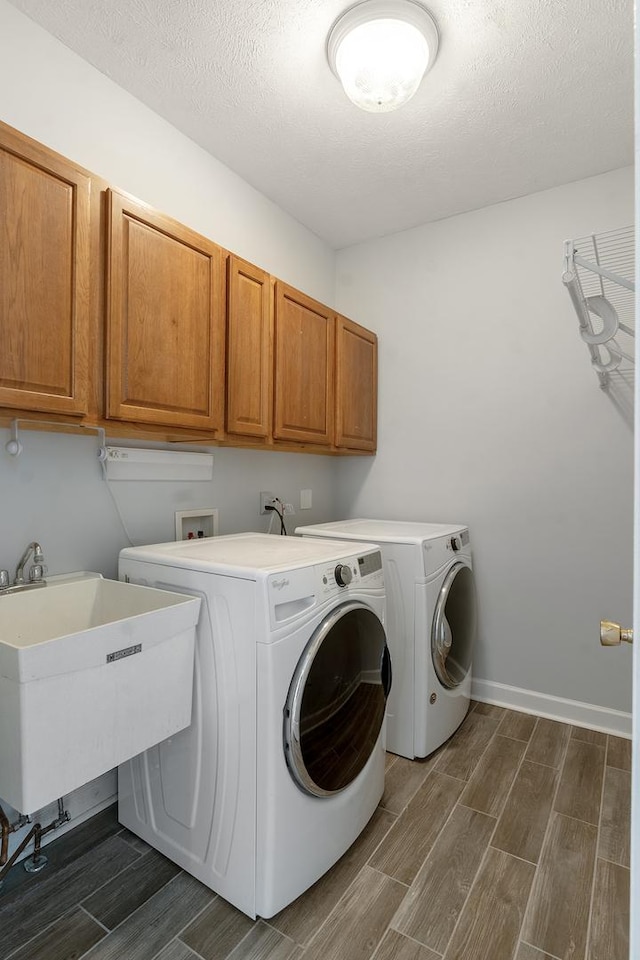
{"x": 524, "y": 95}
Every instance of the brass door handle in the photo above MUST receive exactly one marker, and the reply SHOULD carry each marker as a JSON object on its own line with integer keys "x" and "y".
{"x": 611, "y": 634}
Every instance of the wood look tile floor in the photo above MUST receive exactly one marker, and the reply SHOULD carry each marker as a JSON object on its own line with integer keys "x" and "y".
{"x": 510, "y": 843}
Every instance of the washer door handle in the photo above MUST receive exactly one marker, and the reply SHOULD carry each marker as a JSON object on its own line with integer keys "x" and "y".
{"x": 386, "y": 673}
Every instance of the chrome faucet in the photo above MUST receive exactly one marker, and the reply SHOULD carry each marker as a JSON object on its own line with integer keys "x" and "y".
{"x": 36, "y": 570}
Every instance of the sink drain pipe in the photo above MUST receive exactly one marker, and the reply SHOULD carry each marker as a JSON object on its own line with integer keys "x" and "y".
{"x": 37, "y": 860}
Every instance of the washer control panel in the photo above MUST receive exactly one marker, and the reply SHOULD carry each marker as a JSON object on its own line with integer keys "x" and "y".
{"x": 343, "y": 574}
{"x": 296, "y": 592}
{"x": 365, "y": 569}
{"x": 370, "y": 563}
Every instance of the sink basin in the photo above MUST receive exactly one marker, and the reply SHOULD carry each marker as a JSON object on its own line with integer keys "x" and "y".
{"x": 92, "y": 672}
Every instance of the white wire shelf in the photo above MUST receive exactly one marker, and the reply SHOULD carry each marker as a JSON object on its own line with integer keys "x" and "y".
{"x": 599, "y": 273}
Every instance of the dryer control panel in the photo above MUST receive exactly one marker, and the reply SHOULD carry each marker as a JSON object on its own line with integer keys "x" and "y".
{"x": 458, "y": 541}
{"x": 439, "y": 551}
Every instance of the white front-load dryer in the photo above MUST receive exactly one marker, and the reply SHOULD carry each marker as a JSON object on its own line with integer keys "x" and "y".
{"x": 283, "y": 764}
{"x": 431, "y": 625}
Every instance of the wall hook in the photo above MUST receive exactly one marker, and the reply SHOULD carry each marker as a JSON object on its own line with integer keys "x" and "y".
{"x": 13, "y": 445}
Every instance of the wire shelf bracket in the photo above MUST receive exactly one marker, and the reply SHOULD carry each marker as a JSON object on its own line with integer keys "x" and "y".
{"x": 599, "y": 274}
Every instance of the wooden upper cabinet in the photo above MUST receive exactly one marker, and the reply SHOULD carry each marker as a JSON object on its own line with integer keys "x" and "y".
{"x": 303, "y": 368}
{"x": 356, "y": 386}
{"x": 165, "y": 320}
{"x": 249, "y": 349}
{"x": 44, "y": 278}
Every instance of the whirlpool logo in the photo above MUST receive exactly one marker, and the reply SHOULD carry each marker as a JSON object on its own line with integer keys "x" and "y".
{"x": 280, "y": 584}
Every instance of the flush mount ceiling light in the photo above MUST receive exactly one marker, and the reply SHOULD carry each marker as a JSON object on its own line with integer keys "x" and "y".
{"x": 380, "y": 50}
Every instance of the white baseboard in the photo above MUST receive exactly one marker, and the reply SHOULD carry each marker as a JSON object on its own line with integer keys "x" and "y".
{"x": 587, "y": 715}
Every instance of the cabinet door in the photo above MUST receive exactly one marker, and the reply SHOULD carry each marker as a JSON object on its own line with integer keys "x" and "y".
{"x": 303, "y": 388}
{"x": 356, "y": 386}
{"x": 249, "y": 349}
{"x": 44, "y": 278}
{"x": 165, "y": 320}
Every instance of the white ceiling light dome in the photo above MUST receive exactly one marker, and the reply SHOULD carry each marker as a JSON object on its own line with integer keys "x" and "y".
{"x": 380, "y": 50}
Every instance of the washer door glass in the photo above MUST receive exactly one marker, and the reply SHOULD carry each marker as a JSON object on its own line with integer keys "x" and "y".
{"x": 454, "y": 626}
{"x": 336, "y": 700}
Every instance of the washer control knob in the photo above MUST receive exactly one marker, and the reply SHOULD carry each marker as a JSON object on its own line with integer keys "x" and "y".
{"x": 343, "y": 575}
{"x": 455, "y": 544}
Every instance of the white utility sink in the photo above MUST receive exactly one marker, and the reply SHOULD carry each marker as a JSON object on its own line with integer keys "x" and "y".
{"x": 92, "y": 672}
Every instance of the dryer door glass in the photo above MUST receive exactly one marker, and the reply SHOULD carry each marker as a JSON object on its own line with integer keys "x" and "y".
{"x": 454, "y": 626}
{"x": 336, "y": 700}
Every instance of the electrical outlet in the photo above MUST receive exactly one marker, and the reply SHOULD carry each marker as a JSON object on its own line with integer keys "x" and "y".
{"x": 265, "y": 498}
{"x": 288, "y": 510}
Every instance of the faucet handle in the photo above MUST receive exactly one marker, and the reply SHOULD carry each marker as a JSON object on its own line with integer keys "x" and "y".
{"x": 37, "y": 572}
{"x": 4, "y": 579}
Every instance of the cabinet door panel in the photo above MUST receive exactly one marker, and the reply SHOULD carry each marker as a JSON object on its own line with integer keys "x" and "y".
{"x": 303, "y": 389}
{"x": 165, "y": 336}
{"x": 356, "y": 386}
{"x": 249, "y": 349}
{"x": 44, "y": 279}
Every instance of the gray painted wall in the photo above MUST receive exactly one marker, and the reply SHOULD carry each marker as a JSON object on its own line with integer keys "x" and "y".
{"x": 490, "y": 414}
{"x": 54, "y": 492}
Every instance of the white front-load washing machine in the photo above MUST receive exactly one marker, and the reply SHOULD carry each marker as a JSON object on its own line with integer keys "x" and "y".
{"x": 283, "y": 763}
{"x": 431, "y": 625}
